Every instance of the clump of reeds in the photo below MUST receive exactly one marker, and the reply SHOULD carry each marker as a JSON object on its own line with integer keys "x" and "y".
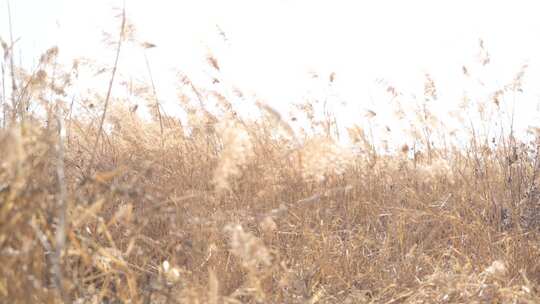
{"x": 99, "y": 205}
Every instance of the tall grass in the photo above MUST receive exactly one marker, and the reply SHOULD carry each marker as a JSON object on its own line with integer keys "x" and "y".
{"x": 226, "y": 209}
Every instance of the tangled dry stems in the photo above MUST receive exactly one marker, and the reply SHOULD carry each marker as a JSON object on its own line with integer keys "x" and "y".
{"x": 231, "y": 210}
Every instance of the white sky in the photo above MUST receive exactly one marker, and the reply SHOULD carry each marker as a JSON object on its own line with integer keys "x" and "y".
{"x": 273, "y": 45}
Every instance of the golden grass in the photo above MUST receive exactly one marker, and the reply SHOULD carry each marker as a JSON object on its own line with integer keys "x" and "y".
{"x": 230, "y": 210}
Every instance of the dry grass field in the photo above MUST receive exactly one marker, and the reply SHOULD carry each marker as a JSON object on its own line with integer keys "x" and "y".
{"x": 98, "y": 205}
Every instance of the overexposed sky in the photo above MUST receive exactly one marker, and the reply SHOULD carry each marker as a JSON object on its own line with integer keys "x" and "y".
{"x": 273, "y": 46}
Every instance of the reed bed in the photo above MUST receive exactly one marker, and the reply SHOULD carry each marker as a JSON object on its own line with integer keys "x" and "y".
{"x": 98, "y": 205}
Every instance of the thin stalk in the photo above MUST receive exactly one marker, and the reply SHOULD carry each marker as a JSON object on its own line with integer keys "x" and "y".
{"x": 107, "y": 98}
{"x": 155, "y": 96}
{"x": 61, "y": 202}
{"x": 12, "y": 67}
